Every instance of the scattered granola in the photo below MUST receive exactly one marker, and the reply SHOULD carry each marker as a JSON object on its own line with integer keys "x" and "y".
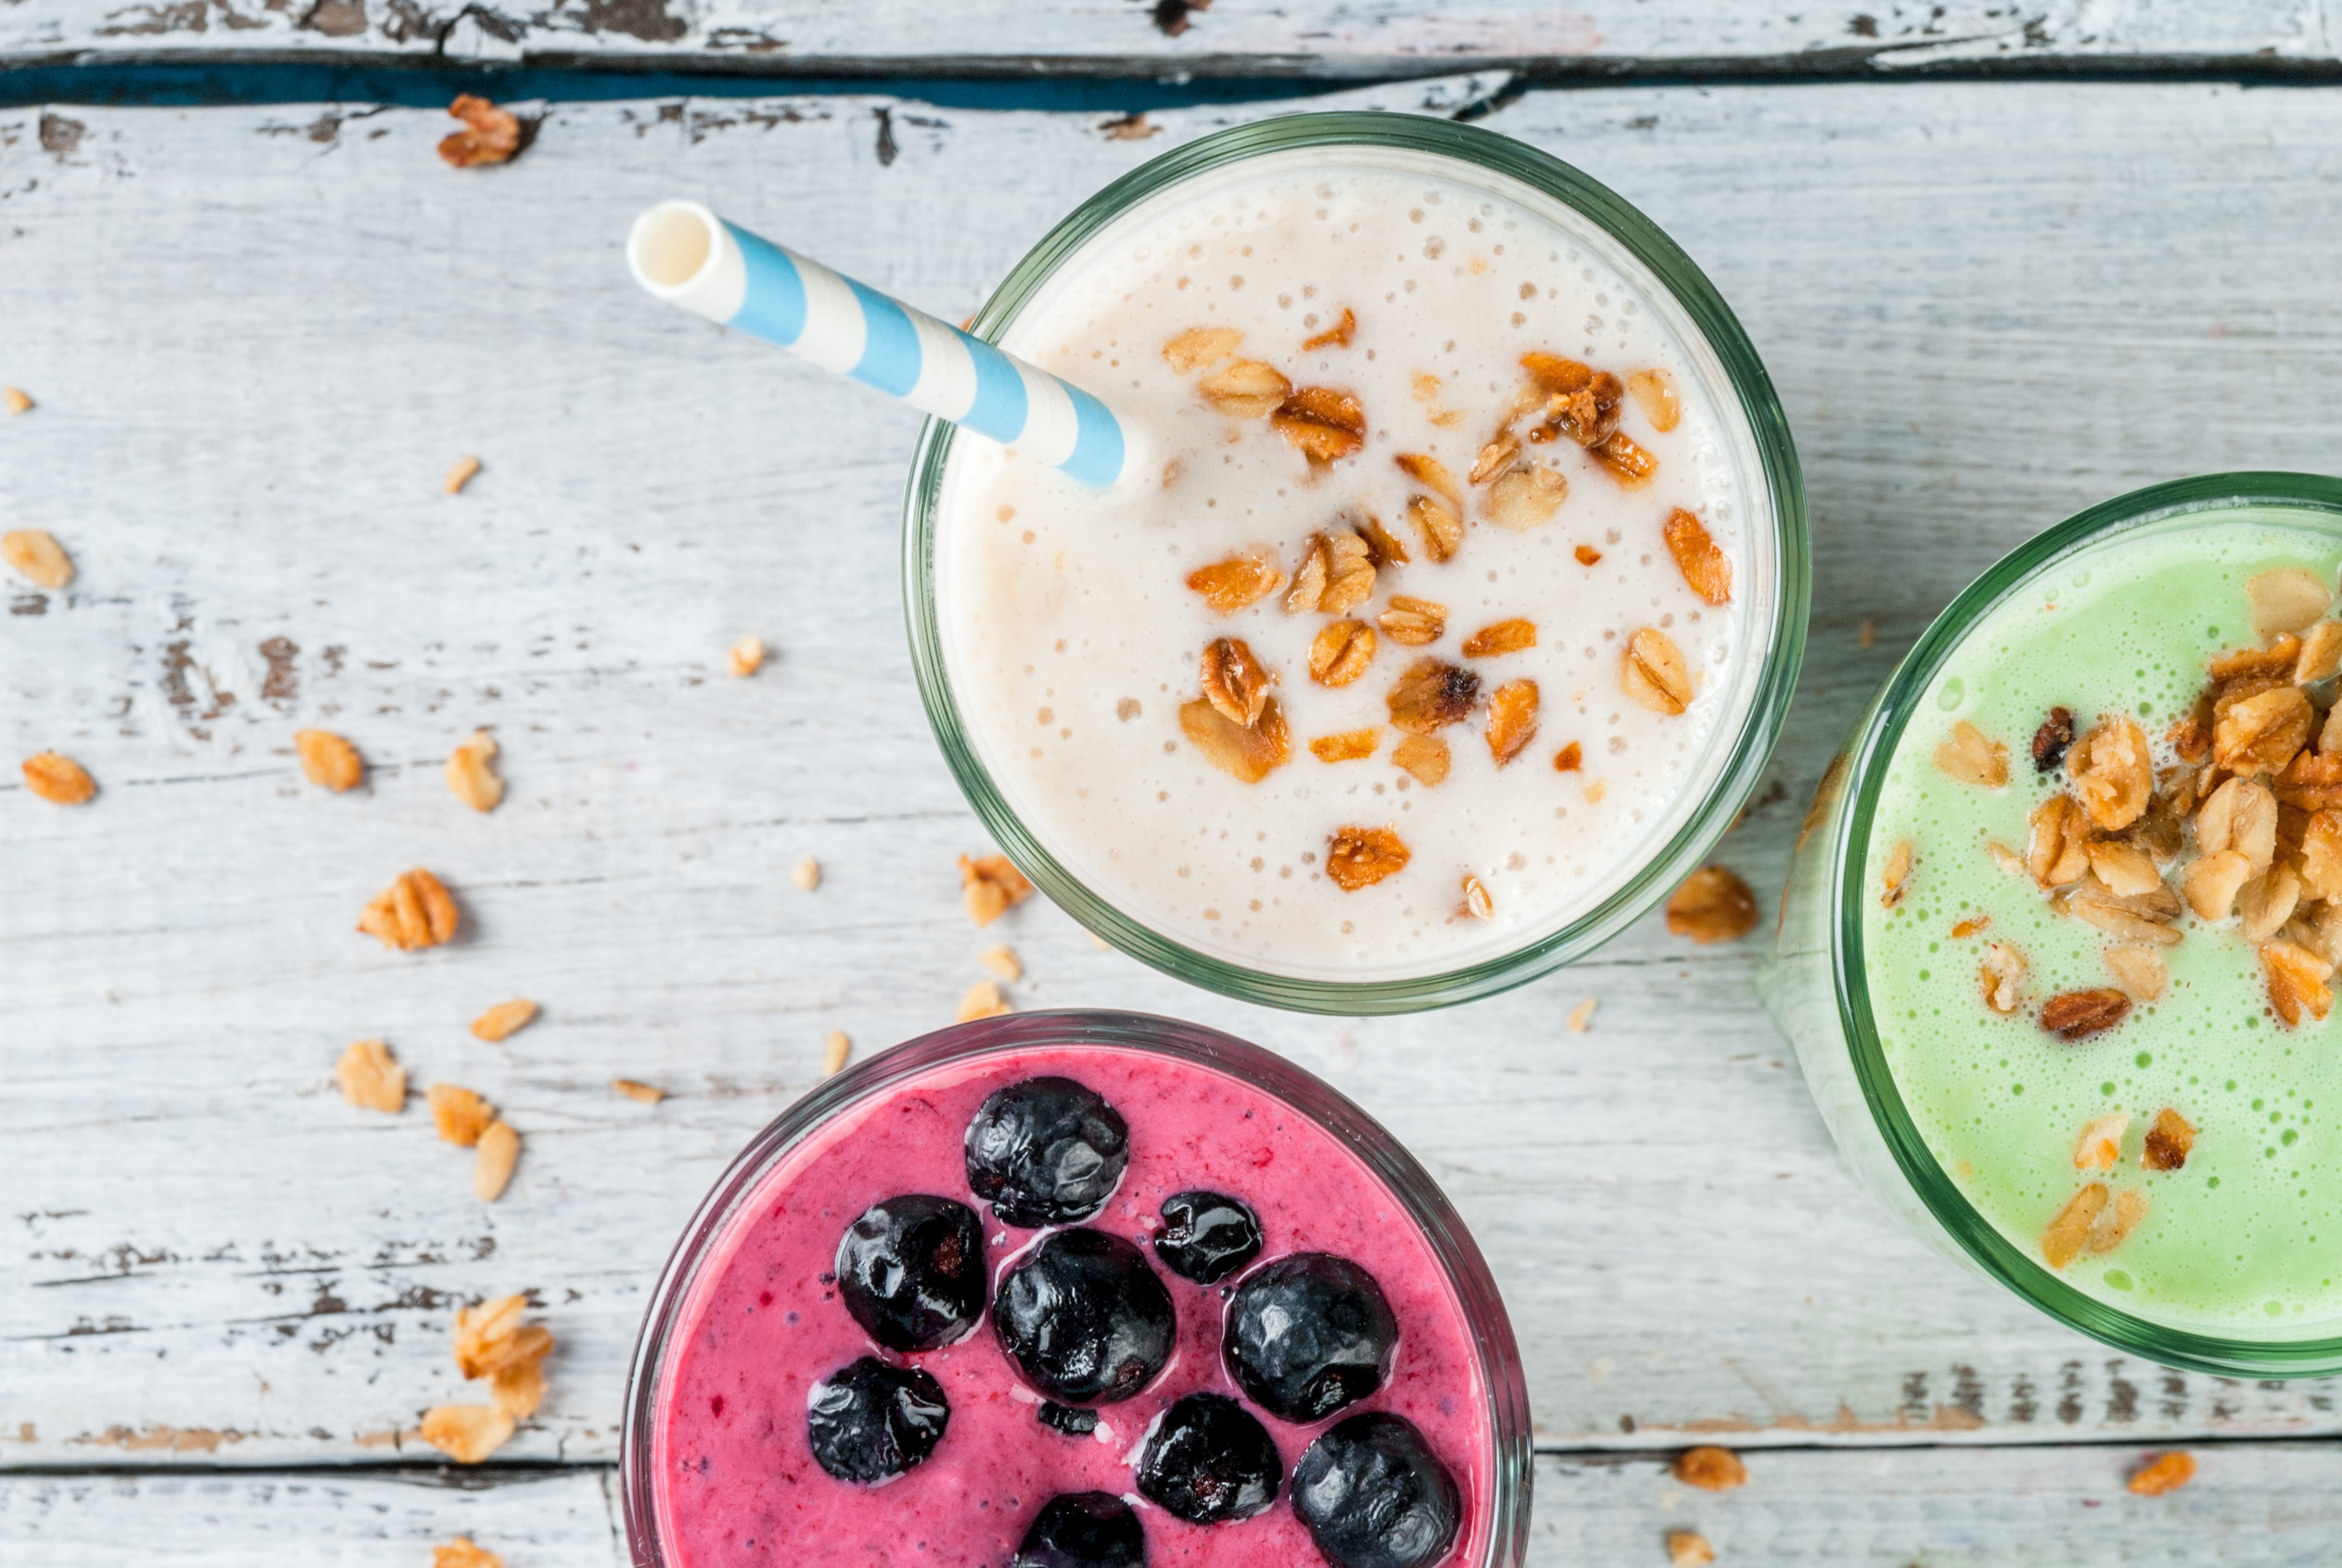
{"x": 1199, "y": 346}
{"x": 835, "y": 1048}
{"x": 1587, "y": 555}
{"x": 15, "y": 400}
{"x": 2168, "y": 1142}
{"x": 472, "y": 776}
{"x": 1512, "y": 719}
{"x": 1425, "y": 758}
{"x": 491, "y": 135}
{"x": 1231, "y": 585}
{"x": 2100, "y": 1145}
{"x": 1441, "y": 527}
{"x": 1246, "y": 389}
{"x": 983, "y": 1000}
{"x": 1359, "y": 857}
{"x": 1626, "y": 460}
{"x": 2076, "y": 1015}
{"x": 1346, "y": 747}
{"x": 35, "y": 555}
{"x": 1428, "y": 471}
{"x": 1249, "y": 753}
{"x": 1508, "y": 636}
{"x": 1704, "y": 565}
{"x": 59, "y": 780}
{"x": 1652, "y": 672}
{"x": 2053, "y": 740}
{"x": 499, "y": 1152}
{"x": 461, "y": 1115}
{"x": 1688, "y": 1549}
{"x": 1523, "y": 498}
{"x": 1712, "y": 905}
{"x": 1478, "y": 903}
{"x": 806, "y": 876}
{"x": 461, "y": 1552}
{"x": 2164, "y": 1473}
{"x": 1569, "y": 759}
{"x": 635, "y": 1089}
{"x": 2001, "y": 976}
{"x": 466, "y": 1434}
{"x": 2139, "y": 971}
{"x": 1336, "y": 575}
{"x": 1431, "y": 694}
{"x": 1384, "y": 548}
{"x": 1233, "y": 681}
{"x": 1415, "y": 623}
{"x": 1654, "y": 392}
{"x": 503, "y": 1019}
{"x": 370, "y": 1078}
{"x": 1581, "y": 1017}
{"x": 1341, "y": 652}
{"x": 2296, "y": 981}
{"x": 1337, "y": 336}
{"x": 1002, "y": 960}
{"x": 412, "y": 911}
{"x": 490, "y": 1339}
{"x": 329, "y": 760}
{"x": 1963, "y": 929}
{"x": 2063, "y": 1242}
{"x": 1495, "y": 459}
{"x": 990, "y": 886}
{"x": 1321, "y": 422}
{"x": 1973, "y": 757}
{"x": 2117, "y": 1224}
{"x": 1895, "y": 874}
{"x": 466, "y": 468}
{"x": 746, "y": 656}
{"x": 1711, "y": 1469}
{"x": 2285, "y": 600}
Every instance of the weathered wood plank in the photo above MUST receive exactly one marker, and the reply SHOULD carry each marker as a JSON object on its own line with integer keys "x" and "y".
{"x": 1352, "y": 38}
{"x": 2252, "y": 1505}
{"x": 259, "y": 336}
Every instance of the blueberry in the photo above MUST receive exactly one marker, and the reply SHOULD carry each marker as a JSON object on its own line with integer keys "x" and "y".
{"x": 1209, "y": 1459}
{"x": 1307, "y": 1334}
{"x": 1084, "y": 1530}
{"x": 871, "y": 1420}
{"x": 1085, "y": 1318}
{"x": 1373, "y": 1494}
{"x": 1068, "y": 1419}
{"x": 1045, "y": 1152}
{"x": 1207, "y": 1236}
{"x": 912, "y": 1270}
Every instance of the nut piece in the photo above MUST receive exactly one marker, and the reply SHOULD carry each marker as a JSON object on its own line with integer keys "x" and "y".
{"x": 15, "y": 400}
{"x": 466, "y": 469}
{"x": 57, "y": 779}
{"x": 490, "y": 1337}
{"x": 989, "y": 886}
{"x": 1246, "y": 390}
{"x": 1322, "y": 423}
{"x": 747, "y": 656}
{"x": 1201, "y": 345}
{"x": 1654, "y": 392}
{"x": 1580, "y": 401}
{"x": 1495, "y": 459}
{"x": 2314, "y": 782}
{"x": 1704, "y": 565}
{"x": 1581, "y": 1017}
{"x": 499, "y": 1152}
{"x": 1337, "y": 336}
{"x": 2321, "y": 653}
{"x": 1569, "y": 759}
{"x": 2241, "y": 814}
{"x": 1441, "y": 527}
{"x": 806, "y": 876}
{"x": 1711, "y": 1469}
{"x": 1652, "y": 672}
{"x": 2129, "y": 871}
{"x": 1002, "y": 962}
{"x": 2074, "y": 1015}
{"x": 2101, "y": 1145}
{"x": 1346, "y": 747}
{"x": 2296, "y": 981}
{"x": 1895, "y": 874}
{"x": 466, "y": 1434}
{"x": 1428, "y": 471}
{"x": 2057, "y": 852}
{"x": 1413, "y": 623}
{"x": 2165, "y": 1472}
{"x": 1384, "y": 548}
{"x": 2112, "y": 772}
{"x": 2062, "y": 1243}
{"x": 469, "y": 775}
{"x": 1625, "y": 460}
{"x": 1337, "y": 574}
{"x": 1963, "y": 929}
{"x": 1712, "y": 905}
{"x": 1248, "y": 753}
{"x": 460, "y": 1114}
{"x": 835, "y": 1048}
{"x": 1431, "y": 694}
{"x": 1423, "y": 757}
{"x": 461, "y": 1554}
{"x": 1477, "y": 902}
{"x": 2001, "y": 976}
{"x": 328, "y": 759}
{"x": 635, "y": 1089}
{"x": 983, "y": 1000}
{"x": 2261, "y": 733}
{"x": 503, "y": 1019}
{"x": 2168, "y": 1142}
{"x": 2285, "y": 600}
{"x": 1973, "y": 757}
{"x": 2212, "y": 882}
{"x": 491, "y": 135}
{"x": 1501, "y": 637}
{"x": 1512, "y": 719}
{"x": 36, "y": 556}
{"x": 1686, "y": 1549}
{"x": 1525, "y": 497}
{"x": 2321, "y": 855}
{"x": 1242, "y": 579}
{"x": 370, "y": 1079}
{"x": 1233, "y": 681}
{"x": 1341, "y": 652}
{"x": 2130, "y": 1207}
{"x": 2265, "y": 904}
{"x": 2053, "y": 740}
{"x": 1359, "y": 857}
{"x": 413, "y": 912}
{"x": 2138, "y": 970}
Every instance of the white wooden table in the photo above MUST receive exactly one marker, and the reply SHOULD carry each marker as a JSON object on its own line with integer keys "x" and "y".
{"x": 1992, "y": 286}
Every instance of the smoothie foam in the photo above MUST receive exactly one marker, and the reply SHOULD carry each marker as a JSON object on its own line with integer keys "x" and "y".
{"x": 1072, "y": 642}
{"x": 735, "y": 1481}
{"x": 2246, "y": 1235}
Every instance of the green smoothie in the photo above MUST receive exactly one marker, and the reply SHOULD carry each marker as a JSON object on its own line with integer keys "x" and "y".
{"x": 2051, "y": 984}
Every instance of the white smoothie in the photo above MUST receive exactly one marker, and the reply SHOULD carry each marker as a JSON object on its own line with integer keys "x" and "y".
{"x": 1072, "y": 638}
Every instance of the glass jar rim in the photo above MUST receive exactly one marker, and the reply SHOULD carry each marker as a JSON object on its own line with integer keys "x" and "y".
{"x": 1880, "y": 734}
{"x": 1451, "y": 1245}
{"x": 1780, "y": 654}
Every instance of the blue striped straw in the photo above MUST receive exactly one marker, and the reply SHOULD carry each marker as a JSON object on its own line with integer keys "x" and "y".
{"x": 686, "y": 255}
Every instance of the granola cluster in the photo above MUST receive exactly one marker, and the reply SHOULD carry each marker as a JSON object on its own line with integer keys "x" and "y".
{"x": 2227, "y": 826}
{"x": 1239, "y": 719}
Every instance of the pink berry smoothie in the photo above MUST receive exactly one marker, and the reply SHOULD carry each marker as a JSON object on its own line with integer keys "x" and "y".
{"x": 736, "y": 1480}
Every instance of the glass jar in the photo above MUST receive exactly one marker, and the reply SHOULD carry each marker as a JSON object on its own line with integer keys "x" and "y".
{"x": 967, "y": 1061}
{"x": 1774, "y": 600}
{"x": 1816, "y": 990}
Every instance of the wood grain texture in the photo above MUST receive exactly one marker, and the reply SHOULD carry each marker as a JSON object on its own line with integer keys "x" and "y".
{"x": 2268, "y": 1505}
{"x": 259, "y": 336}
{"x": 1344, "y": 38}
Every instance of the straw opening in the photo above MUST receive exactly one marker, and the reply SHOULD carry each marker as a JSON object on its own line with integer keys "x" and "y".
{"x": 672, "y": 245}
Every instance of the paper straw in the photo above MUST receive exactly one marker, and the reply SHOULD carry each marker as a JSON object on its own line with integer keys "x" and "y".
{"x": 686, "y": 255}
